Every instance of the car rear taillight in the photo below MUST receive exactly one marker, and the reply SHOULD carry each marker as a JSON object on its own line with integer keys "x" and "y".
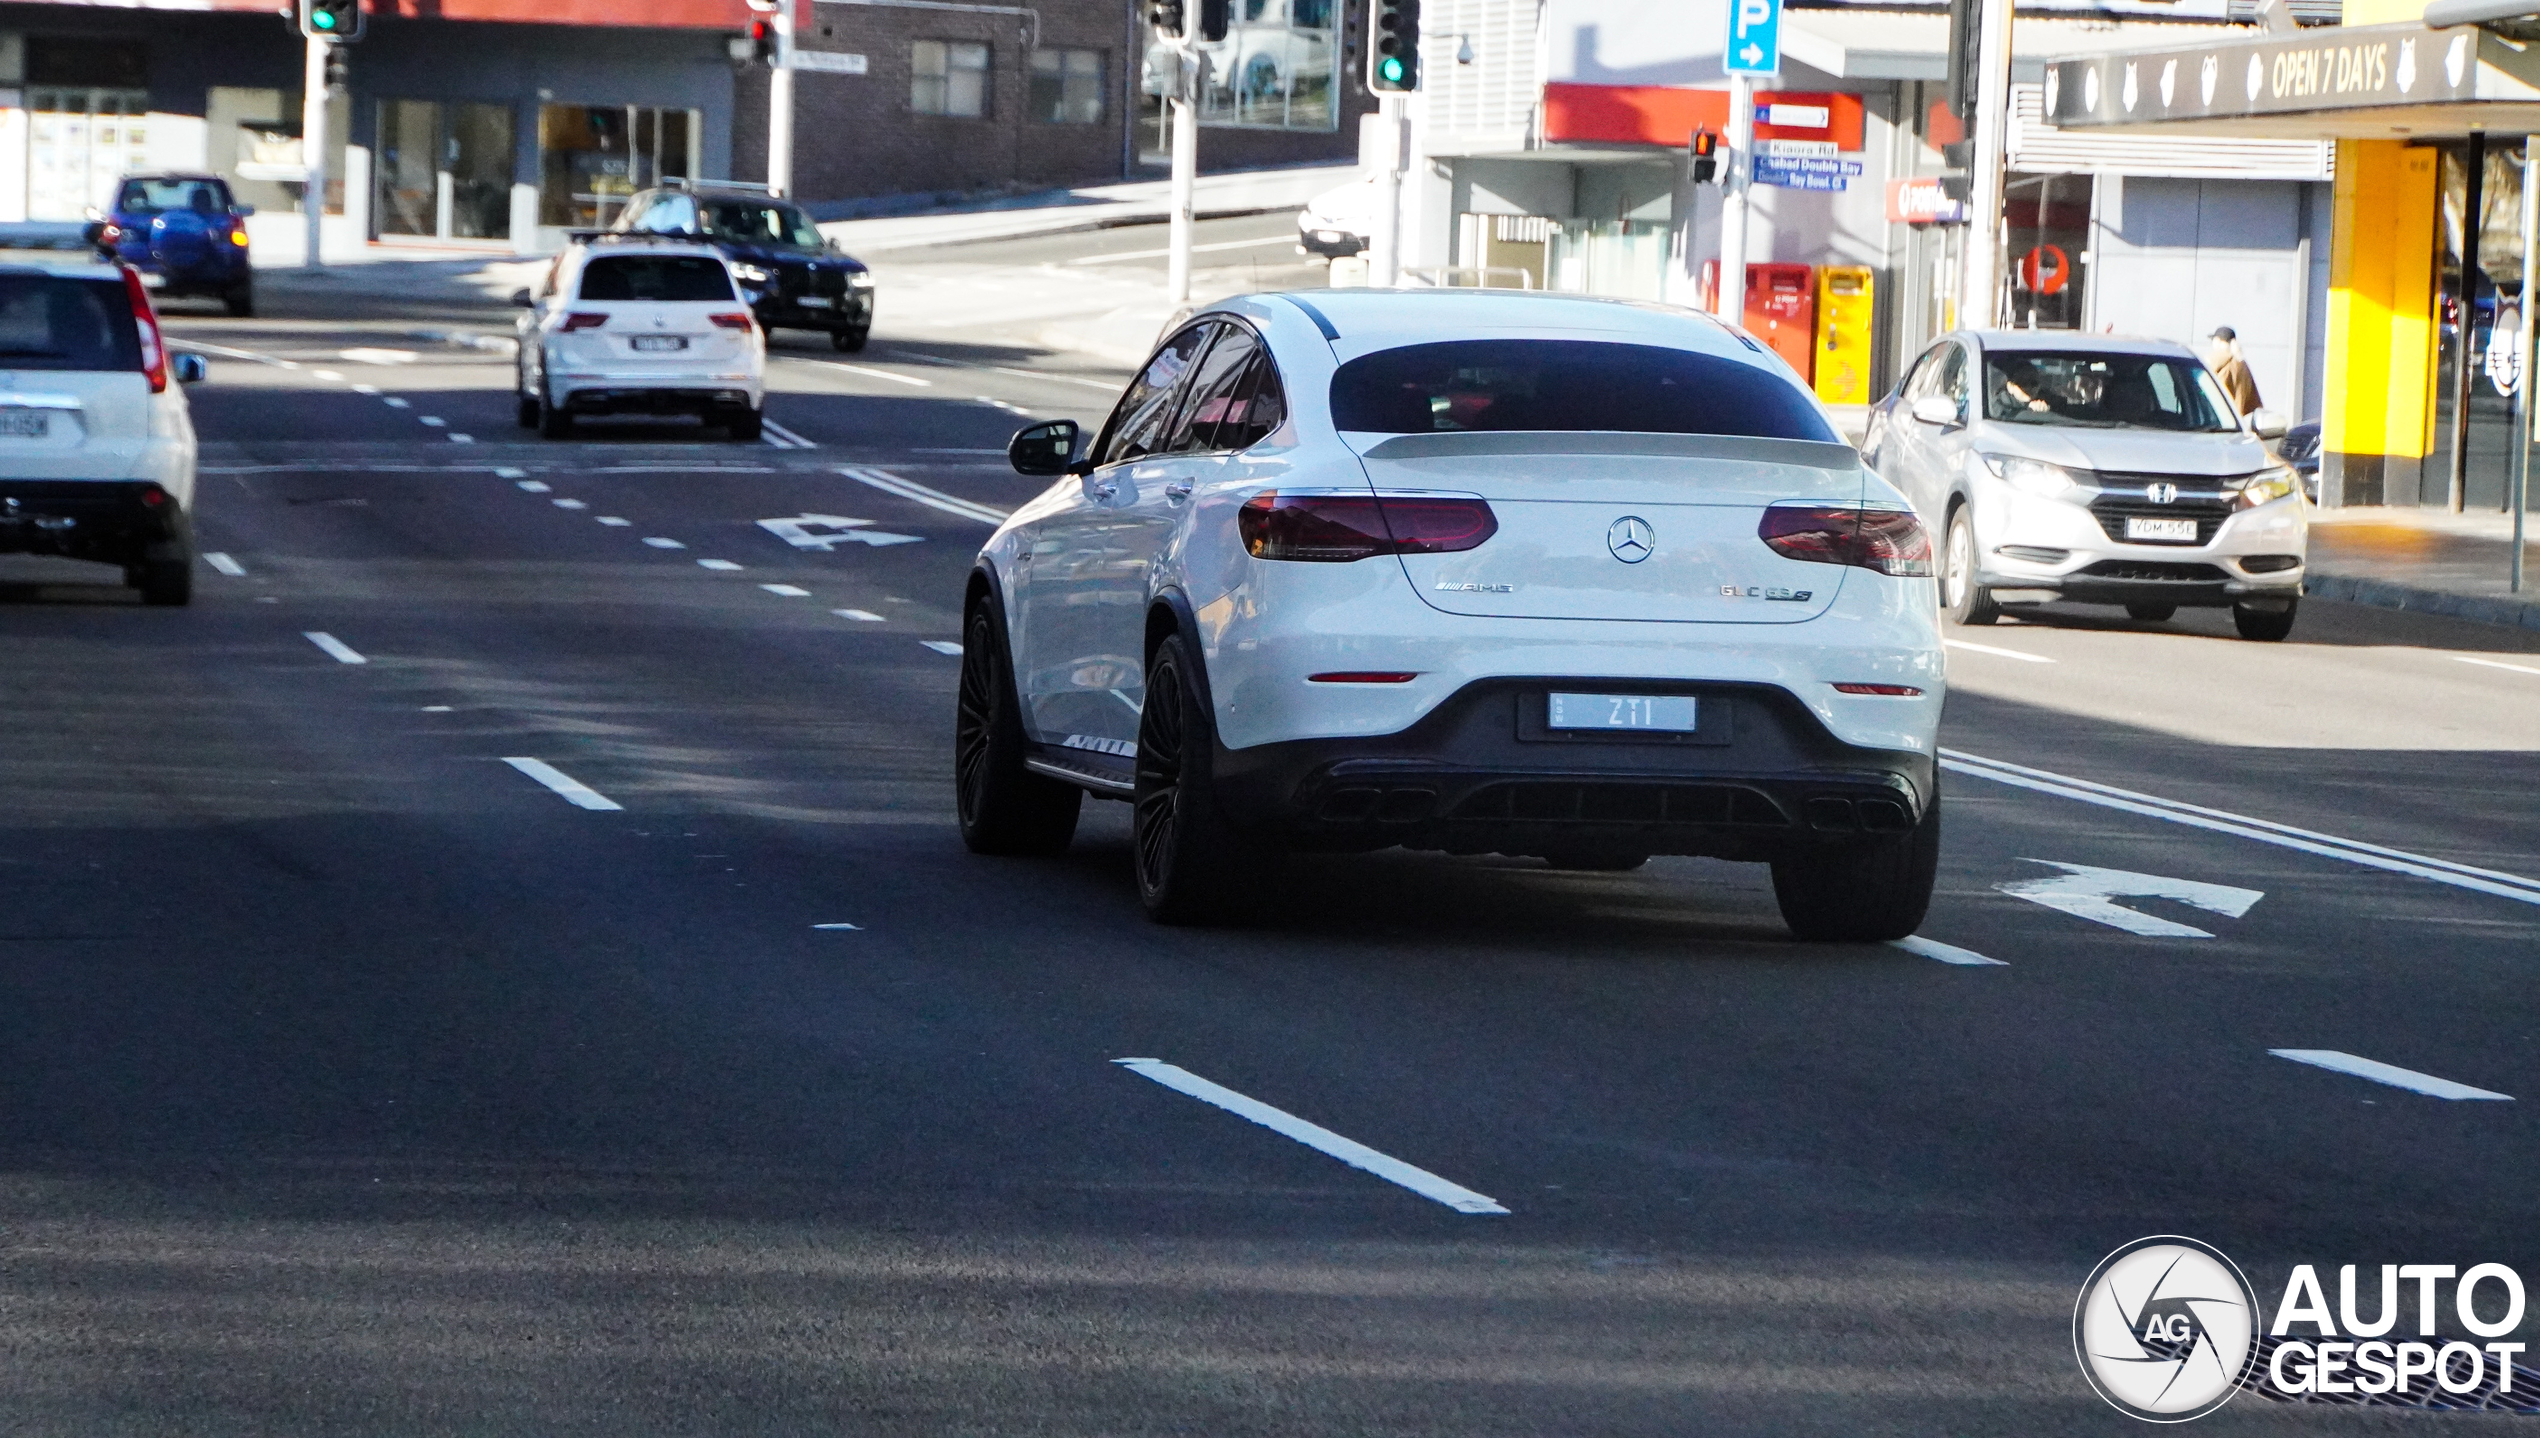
{"x": 1339, "y": 528}
{"x": 582, "y": 320}
{"x": 154, "y": 348}
{"x": 735, "y": 320}
{"x": 152, "y": 496}
{"x": 1890, "y": 541}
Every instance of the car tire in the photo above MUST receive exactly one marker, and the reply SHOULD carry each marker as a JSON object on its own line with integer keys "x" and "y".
{"x": 554, "y": 422}
{"x": 528, "y": 412}
{"x": 164, "y": 583}
{"x": 1967, "y": 601}
{"x": 240, "y": 300}
{"x": 2264, "y": 625}
{"x": 1194, "y": 866}
{"x": 2150, "y": 613}
{"x": 746, "y": 426}
{"x": 848, "y": 341}
{"x": 1862, "y": 892}
{"x": 1004, "y": 807}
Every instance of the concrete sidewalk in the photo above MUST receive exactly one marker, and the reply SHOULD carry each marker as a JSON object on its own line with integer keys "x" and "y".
{"x": 1095, "y": 207}
{"x": 2402, "y": 557}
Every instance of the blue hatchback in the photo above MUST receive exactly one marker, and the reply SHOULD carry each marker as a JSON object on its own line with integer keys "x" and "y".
{"x": 187, "y": 233}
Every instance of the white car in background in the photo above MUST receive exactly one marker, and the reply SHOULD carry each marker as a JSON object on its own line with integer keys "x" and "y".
{"x": 97, "y": 446}
{"x": 2095, "y": 469}
{"x": 637, "y": 324}
{"x": 1465, "y": 571}
{"x": 1336, "y": 223}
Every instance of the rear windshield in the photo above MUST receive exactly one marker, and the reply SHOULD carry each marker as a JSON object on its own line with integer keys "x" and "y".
{"x": 53, "y": 322}
{"x": 157, "y": 197}
{"x": 1568, "y": 385}
{"x": 656, "y": 277}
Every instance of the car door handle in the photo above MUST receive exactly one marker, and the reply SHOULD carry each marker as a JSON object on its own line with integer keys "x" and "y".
{"x": 1178, "y": 491}
{"x": 1104, "y": 491}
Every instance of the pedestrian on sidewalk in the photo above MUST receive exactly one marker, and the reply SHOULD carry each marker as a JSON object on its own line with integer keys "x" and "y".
{"x": 2222, "y": 353}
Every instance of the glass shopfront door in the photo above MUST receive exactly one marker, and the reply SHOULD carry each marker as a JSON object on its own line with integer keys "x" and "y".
{"x": 593, "y": 157}
{"x": 444, "y": 170}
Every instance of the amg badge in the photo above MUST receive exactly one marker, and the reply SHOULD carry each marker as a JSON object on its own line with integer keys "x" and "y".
{"x": 1478, "y": 588}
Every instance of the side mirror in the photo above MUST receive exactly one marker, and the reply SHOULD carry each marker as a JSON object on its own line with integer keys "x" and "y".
{"x": 188, "y": 368}
{"x": 2265, "y": 423}
{"x": 242, "y": 211}
{"x": 94, "y": 232}
{"x": 1043, "y": 449}
{"x": 522, "y": 298}
{"x": 1933, "y": 409}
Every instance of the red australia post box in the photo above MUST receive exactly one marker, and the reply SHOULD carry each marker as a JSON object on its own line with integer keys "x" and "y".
{"x": 1781, "y": 310}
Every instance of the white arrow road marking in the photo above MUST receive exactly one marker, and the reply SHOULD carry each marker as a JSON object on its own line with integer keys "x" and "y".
{"x": 336, "y": 649}
{"x": 2087, "y": 892}
{"x": 1314, "y": 1136}
{"x": 2390, "y": 1074}
{"x": 574, "y": 791}
{"x": 1921, "y": 947}
{"x": 798, "y": 532}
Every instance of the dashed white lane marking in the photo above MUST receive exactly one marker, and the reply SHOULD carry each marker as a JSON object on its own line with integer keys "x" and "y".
{"x": 786, "y": 591}
{"x": 724, "y": 565}
{"x": 851, "y": 928}
{"x": 1921, "y": 947}
{"x": 462, "y": 438}
{"x": 889, "y": 483}
{"x": 942, "y": 646}
{"x": 2496, "y": 664}
{"x": 328, "y": 374}
{"x": 657, "y": 542}
{"x": 574, "y": 791}
{"x": 1997, "y": 653}
{"x": 2390, "y": 1074}
{"x": 1106, "y": 386}
{"x": 380, "y": 356}
{"x": 861, "y": 616}
{"x": 614, "y": 521}
{"x": 2265, "y": 831}
{"x": 568, "y": 504}
{"x": 507, "y": 472}
{"x": 1314, "y": 1136}
{"x": 371, "y": 390}
{"x": 225, "y": 564}
{"x": 225, "y": 352}
{"x": 395, "y": 403}
{"x": 906, "y": 379}
{"x": 994, "y": 402}
{"x": 433, "y": 420}
{"x": 436, "y": 708}
{"x": 772, "y": 430}
{"x": 535, "y": 486}
{"x": 340, "y": 651}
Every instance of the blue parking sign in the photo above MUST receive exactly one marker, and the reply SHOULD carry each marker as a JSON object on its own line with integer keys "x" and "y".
{"x": 1755, "y": 38}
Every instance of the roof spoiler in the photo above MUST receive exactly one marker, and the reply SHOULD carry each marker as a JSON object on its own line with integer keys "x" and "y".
{"x": 683, "y": 182}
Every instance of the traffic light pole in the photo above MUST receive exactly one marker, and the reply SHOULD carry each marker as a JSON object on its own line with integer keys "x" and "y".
{"x": 313, "y": 151}
{"x": 780, "y": 103}
{"x": 1185, "y": 107}
{"x": 1730, "y": 303}
{"x": 1384, "y": 247}
{"x": 1981, "y": 296}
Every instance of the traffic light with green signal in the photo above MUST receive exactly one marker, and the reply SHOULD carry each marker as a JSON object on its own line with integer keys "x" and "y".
{"x": 331, "y": 19}
{"x": 1393, "y": 46}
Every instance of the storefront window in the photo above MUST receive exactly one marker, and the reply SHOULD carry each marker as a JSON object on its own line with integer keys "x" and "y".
{"x": 593, "y": 157}
{"x": 444, "y": 170}
{"x": 1274, "y": 68}
{"x": 1627, "y": 258}
{"x": 2046, "y": 237}
{"x": 2494, "y": 308}
{"x": 1067, "y": 87}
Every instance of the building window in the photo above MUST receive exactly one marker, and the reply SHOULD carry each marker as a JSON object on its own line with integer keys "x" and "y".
{"x": 950, "y": 77}
{"x": 1274, "y": 68}
{"x": 1067, "y": 87}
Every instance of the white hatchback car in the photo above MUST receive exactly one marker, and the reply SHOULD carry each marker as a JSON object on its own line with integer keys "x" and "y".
{"x": 2095, "y": 469}
{"x": 637, "y": 324}
{"x": 1468, "y": 571}
{"x": 97, "y": 447}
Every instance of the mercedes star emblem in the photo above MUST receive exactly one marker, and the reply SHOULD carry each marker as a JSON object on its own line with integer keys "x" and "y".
{"x": 1631, "y": 539}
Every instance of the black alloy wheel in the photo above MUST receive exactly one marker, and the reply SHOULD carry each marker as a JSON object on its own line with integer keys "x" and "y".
{"x": 1194, "y": 866}
{"x": 1004, "y": 807}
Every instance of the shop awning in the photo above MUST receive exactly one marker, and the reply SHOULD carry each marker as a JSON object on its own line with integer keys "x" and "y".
{"x": 2364, "y": 82}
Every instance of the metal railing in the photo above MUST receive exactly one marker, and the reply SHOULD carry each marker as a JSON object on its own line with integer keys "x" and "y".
{"x": 1450, "y": 277}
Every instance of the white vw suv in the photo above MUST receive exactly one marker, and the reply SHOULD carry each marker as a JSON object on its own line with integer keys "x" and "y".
{"x": 639, "y": 324}
{"x": 1466, "y": 571}
{"x": 2095, "y": 469}
{"x": 97, "y": 446}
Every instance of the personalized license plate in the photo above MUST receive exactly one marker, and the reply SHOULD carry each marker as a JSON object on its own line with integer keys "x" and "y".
{"x": 655, "y": 344}
{"x": 815, "y": 302}
{"x": 2171, "y": 529}
{"x": 1663, "y": 713}
{"x": 25, "y": 424}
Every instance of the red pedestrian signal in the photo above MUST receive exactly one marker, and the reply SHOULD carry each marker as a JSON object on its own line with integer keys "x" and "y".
{"x": 1704, "y": 149}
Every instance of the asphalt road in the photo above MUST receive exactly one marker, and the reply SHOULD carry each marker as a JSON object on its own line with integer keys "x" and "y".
{"x": 355, "y": 1080}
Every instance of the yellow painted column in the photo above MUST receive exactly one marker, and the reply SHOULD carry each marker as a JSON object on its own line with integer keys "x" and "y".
{"x": 2377, "y": 418}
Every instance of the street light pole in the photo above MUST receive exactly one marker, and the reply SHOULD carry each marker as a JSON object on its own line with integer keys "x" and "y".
{"x": 1185, "y": 107}
{"x": 1384, "y": 247}
{"x": 313, "y": 151}
{"x": 1730, "y": 303}
{"x": 780, "y": 103}
{"x": 2520, "y": 499}
{"x": 1978, "y": 305}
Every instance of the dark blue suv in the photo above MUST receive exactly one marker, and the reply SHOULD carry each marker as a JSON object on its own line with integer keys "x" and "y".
{"x": 793, "y": 278}
{"x": 187, "y": 233}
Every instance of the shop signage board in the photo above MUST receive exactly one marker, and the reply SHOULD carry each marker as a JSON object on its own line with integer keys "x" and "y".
{"x": 1921, "y": 201}
{"x": 2330, "y": 68}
